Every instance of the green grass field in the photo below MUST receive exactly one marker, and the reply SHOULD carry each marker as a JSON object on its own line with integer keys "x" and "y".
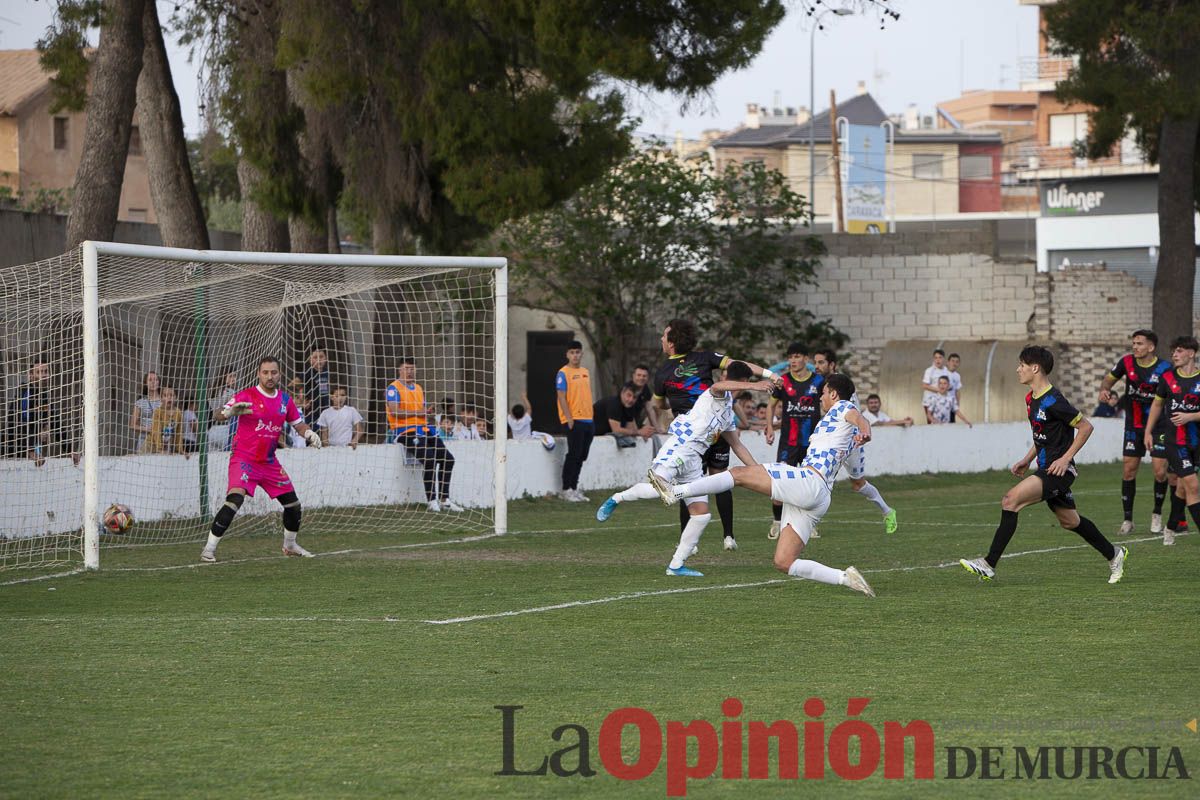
{"x": 271, "y": 677}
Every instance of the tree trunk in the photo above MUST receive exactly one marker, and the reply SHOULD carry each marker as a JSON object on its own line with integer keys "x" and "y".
{"x": 114, "y": 76}
{"x": 176, "y": 202}
{"x": 262, "y": 231}
{"x": 1175, "y": 279}
{"x": 388, "y": 236}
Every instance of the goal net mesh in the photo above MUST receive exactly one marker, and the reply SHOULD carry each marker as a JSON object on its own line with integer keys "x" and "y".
{"x": 177, "y": 338}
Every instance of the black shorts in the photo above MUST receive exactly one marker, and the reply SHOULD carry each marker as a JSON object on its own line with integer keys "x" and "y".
{"x": 790, "y": 455}
{"x": 1159, "y": 450}
{"x": 1182, "y": 458}
{"x": 716, "y": 457}
{"x": 1056, "y": 489}
{"x": 1135, "y": 441}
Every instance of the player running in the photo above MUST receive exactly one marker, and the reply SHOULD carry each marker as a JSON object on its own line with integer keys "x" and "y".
{"x": 825, "y": 362}
{"x": 803, "y": 490}
{"x": 1142, "y": 372}
{"x": 798, "y": 398}
{"x": 1177, "y": 399}
{"x": 1059, "y": 432}
{"x": 261, "y": 411}
{"x": 682, "y": 457}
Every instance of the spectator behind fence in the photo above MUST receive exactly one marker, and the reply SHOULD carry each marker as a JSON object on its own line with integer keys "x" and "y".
{"x": 940, "y": 407}
{"x": 644, "y": 412}
{"x": 30, "y": 423}
{"x": 952, "y": 362}
{"x": 316, "y": 384}
{"x": 408, "y": 420}
{"x": 929, "y": 380}
{"x": 220, "y": 434}
{"x": 191, "y": 426}
{"x": 617, "y": 414}
{"x": 144, "y": 406}
{"x": 465, "y": 428}
{"x": 875, "y": 414}
{"x": 520, "y": 423}
{"x": 166, "y": 426}
{"x": 340, "y": 425}
{"x": 746, "y": 410}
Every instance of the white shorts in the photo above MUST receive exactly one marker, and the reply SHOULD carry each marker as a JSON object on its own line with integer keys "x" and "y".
{"x": 856, "y": 462}
{"x": 804, "y": 495}
{"x": 681, "y": 462}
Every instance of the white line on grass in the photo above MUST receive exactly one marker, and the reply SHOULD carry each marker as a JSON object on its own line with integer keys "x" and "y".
{"x": 42, "y": 577}
{"x": 636, "y": 595}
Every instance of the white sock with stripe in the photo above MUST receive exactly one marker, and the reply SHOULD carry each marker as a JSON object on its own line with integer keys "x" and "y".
{"x": 639, "y": 491}
{"x": 816, "y": 571}
{"x": 689, "y": 538}
{"x": 871, "y": 493}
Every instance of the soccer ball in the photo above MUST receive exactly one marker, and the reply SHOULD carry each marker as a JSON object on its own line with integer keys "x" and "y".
{"x": 548, "y": 441}
{"x": 118, "y": 518}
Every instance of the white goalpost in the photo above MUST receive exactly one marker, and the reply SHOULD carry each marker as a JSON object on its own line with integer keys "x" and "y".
{"x": 114, "y": 358}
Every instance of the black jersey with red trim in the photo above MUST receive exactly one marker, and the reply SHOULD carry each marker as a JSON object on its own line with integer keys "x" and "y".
{"x": 1140, "y": 385}
{"x": 800, "y": 402}
{"x": 683, "y": 378}
{"x": 1052, "y": 419}
{"x": 1180, "y": 395}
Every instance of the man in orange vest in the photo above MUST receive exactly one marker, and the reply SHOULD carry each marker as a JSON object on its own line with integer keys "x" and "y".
{"x": 574, "y": 386}
{"x": 408, "y": 419}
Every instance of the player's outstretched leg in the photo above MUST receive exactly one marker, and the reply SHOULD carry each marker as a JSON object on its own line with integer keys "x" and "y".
{"x": 291, "y": 525}
{"x": 1025, "y": 493}
{"x": 639, "y": 491}
{"x": 890, "y": 522}
{"x": 220, "y": 524}
{"x": 787, "y": 559}
{"x": 687, "y": 545}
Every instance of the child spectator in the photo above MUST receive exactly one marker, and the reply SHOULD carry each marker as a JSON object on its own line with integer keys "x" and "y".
{"x": 166, "y": 426}
{"x": 465, "y": 429}
{"x": 341, "y": 425}
{"x": 144, "y": 406}
{"x": 191, "y": 426}
{"x": 747, "y": 413}
{"x": 520, "y": 423}
{"x": 446, "y": 427}
{"x": 940, "y": 406}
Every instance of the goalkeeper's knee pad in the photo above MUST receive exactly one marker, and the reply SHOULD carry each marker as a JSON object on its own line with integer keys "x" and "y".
{"x": 221, "y": 522}
{"x": 291, "y": 517}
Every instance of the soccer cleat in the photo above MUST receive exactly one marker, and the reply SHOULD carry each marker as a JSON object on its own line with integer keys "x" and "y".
{"x": 890, "y": 523}
{"x": 855, "y": 581}
{"x": 296, "y": 550}
{"x": 774, "y": 532}
{"x": 665, "y": 490}
{"x": 684, "y": 572}
{"x": 208, "y": 556}
{"x": 1156, "y": 524}
{"x": 978, "y": 567}
{"x": 450, "y": 505}
{"x": 1126, "y": 528}
{"x": 580, "y": 497}
{"x": 730, "y": 543}
{"x": 435, "y": 506}
{"x": 816, "y": 534}
{"x": 605, "y": 510}
{"x": 1117, "y": 565}
{"x": 1181, "y": 526}
{"x": 1168, "y": 537}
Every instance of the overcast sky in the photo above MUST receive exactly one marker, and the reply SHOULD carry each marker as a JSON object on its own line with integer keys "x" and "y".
{"x": 937, "y": 48}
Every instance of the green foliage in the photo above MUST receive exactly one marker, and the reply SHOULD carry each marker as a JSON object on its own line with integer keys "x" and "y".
{"x": 1137, "y": 61}
{"x": 36, "y": 200}
{"x": 63, "y": 51}
{"x": 656, "y": 239}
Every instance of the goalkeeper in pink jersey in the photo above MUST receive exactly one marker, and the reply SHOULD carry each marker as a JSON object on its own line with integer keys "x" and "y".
{"x": 262, "y": 411}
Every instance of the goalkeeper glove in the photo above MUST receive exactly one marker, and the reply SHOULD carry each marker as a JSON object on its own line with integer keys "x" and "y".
{"x": 313, "y": 438}
{"x": 238, "y": 409}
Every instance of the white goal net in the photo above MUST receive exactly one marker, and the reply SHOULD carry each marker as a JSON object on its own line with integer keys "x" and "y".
{"x": 115, "y": 358}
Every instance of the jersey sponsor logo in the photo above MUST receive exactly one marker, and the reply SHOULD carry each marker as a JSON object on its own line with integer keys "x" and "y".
{"x": 264, "y": 425}
{"x": 802, "y": 407}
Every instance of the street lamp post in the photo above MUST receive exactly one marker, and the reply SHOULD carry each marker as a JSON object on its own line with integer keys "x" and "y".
{"x": 812, "y": 107}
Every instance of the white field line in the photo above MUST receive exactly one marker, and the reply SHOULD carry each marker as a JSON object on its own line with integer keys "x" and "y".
{"x": 536, "y": 609}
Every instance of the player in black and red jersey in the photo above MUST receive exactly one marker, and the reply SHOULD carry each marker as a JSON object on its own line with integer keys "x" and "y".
{"x": 1059, "y": 431}
{"x": 685, "y": 376}
{"x": 798, "y": 398}
{"x": 1141, "y": 370}
{"x": 1177, "y": 400}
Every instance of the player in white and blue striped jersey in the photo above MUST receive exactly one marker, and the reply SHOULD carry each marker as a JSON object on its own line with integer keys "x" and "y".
{"x": 681, "y": 457}
{"x": 803, "y": 490}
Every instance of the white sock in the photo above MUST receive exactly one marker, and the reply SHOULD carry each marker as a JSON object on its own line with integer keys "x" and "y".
{"x": 688, "y": 539}
{"x": 213, "y": 541}
{"x": 639, "y": 491}
{"x": 710, "y": 484}
{"x": 871, "y": 493}
{"x": 289, "y": 537}
{"x": 815, "y": 571}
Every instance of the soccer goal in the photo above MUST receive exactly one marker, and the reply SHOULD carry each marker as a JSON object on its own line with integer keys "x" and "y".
{"x": 116, "y": 356}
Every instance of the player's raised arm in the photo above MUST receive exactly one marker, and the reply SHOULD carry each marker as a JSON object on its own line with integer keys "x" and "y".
{"x": 859, "y": 421}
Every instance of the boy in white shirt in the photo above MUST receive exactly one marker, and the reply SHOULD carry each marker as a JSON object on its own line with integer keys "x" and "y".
{"x": 340, "y": 424}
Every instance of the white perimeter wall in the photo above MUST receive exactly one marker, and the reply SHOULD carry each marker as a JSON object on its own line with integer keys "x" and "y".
{"x": 48, "y": 498}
